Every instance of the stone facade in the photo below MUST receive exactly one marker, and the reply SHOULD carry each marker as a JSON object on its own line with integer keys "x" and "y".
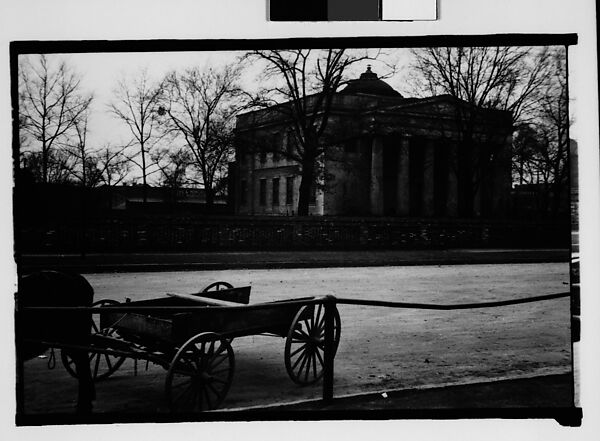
{"x": 389, "y": 156}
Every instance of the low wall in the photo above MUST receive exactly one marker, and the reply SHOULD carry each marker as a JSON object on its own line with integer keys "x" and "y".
{"x": 195, "y": 234}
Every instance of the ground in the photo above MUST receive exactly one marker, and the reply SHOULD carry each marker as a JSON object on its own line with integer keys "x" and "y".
{"x": 381, "y": 349}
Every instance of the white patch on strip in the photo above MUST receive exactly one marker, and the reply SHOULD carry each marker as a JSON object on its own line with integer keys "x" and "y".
{"x": 408, "y": 10}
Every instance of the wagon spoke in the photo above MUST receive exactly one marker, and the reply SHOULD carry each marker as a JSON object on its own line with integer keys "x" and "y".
{"x": 307, "y": 323}
{"x": 299, "y": 333}
{"x": 181, "y": 368}
{"x": 96, "y": 365}
{"x": 107, "y": 357}
{"x": 303, "y": 340}
{"x": 211, "y": 349}
{"x": 222, "y": 359}
{"x": 314, "y": 359}
{"x": 213, "y": 373}
{"x": 219, "y": 380}
{"x": 198, "y": 351}
{"x": 300, "y": 357}
{"x": 214, "y": 391}
{"x": 298, "y": 350}
{"x": 222, "y": 348}
{"x": 205, "y": 393}
{"x": 200, "y": 395}
{"x": 318, "y": 314}
{"x": 305, "y": 359}
{"x": 311, "y": 357}
{"x": 183, "y": 396}
{"x": 319, "y": 356}
{"x": 321, "y": 325}
{"x": 182, "y": 383}
{"x": 192, "y": 398}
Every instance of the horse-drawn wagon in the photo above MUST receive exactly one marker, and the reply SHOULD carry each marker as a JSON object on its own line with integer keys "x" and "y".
{"x": 190, "y": 336}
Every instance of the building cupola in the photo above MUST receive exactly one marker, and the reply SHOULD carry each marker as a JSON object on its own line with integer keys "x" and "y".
{"x": 369, "y": 83}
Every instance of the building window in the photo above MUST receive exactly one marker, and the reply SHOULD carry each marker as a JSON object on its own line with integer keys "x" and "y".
{"x": 275, "y": 191}
{"x": 289, "y": 190}
{"x": 262, "y": 192}
{"x": 244, "y": 192}
{"x": 276, "y": 146}
{"x": 262, "y": 155}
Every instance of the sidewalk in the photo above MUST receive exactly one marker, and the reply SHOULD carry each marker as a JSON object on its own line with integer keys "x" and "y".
{"x": 548, "y": 396}
{"x": 123, "y": 262}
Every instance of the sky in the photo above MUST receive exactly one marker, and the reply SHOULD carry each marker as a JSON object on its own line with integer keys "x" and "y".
{"x": 101, "y": 71}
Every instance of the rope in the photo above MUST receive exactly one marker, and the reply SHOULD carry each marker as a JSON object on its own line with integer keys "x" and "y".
{"x": 346, "y": 301}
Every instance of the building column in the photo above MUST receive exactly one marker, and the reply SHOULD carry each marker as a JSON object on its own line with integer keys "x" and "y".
{"x": 502, "y": 180}
{"x": 377, "y": 176}
{"x": 452, "y": 198}
{"x": 403, "y": 181}
{"x": 428, "y": 179}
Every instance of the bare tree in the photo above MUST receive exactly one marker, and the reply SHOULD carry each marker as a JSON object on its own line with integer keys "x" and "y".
{"x": 113, "y": 164}
{"x": 541, "y": 146}
{"x": 200, "y": 106}
{"x": 555, "y": 117}
{"x": 50, "y": 105}
{"x": 303, "y": 83}
{"x": 526, "y": 145}
{"x": 481, "y": 78}
{"x": 55, "y": 166}
{"x": 136, "y": 104}
{"x": 173, "y": 166}
{"x": 84, "y": 167}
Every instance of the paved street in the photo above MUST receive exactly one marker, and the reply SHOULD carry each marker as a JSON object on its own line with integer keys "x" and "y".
{"x": 381, "y": 349}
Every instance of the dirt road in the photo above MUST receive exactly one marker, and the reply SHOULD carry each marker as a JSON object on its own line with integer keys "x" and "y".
{"x": 381, "y": 349}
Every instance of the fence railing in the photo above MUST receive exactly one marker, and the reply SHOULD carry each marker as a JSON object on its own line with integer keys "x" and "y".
{"x": 283, "y": 233}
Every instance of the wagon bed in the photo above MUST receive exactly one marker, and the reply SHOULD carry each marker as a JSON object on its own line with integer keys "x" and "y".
{"x": 176, "y": 328}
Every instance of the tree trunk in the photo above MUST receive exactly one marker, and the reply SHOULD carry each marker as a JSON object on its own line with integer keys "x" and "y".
{"x": 209, "y": 195}
{"x": 308, "y": 176}
{"x": 44, "y": 165}
{"x": 144, "y": 189}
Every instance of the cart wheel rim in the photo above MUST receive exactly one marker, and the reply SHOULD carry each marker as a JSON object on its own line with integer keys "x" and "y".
{"x": 200, "y": 374}
{"x": 218, "y": 286}
{"x": 101, "y": 365}
{"x": 305, "y": 344}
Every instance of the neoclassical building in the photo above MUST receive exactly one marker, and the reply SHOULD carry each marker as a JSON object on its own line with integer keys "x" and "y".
{"x": 389, "y": 156}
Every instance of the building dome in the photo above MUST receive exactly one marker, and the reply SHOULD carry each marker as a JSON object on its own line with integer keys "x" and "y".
{"x": 369, "y": 83}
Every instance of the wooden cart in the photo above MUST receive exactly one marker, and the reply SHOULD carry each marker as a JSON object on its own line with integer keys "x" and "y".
{"x": 195, "y": 347}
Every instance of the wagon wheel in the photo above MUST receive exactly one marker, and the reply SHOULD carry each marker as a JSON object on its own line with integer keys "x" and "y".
{"x": 200, "y": 374}
{"x": 102, "y": 365}
{"x": 218, "y": 286}
{"x": 305, "y": 344}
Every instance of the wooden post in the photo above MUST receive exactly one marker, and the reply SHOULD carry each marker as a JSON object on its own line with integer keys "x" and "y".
{"x": 329, "y": 354}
